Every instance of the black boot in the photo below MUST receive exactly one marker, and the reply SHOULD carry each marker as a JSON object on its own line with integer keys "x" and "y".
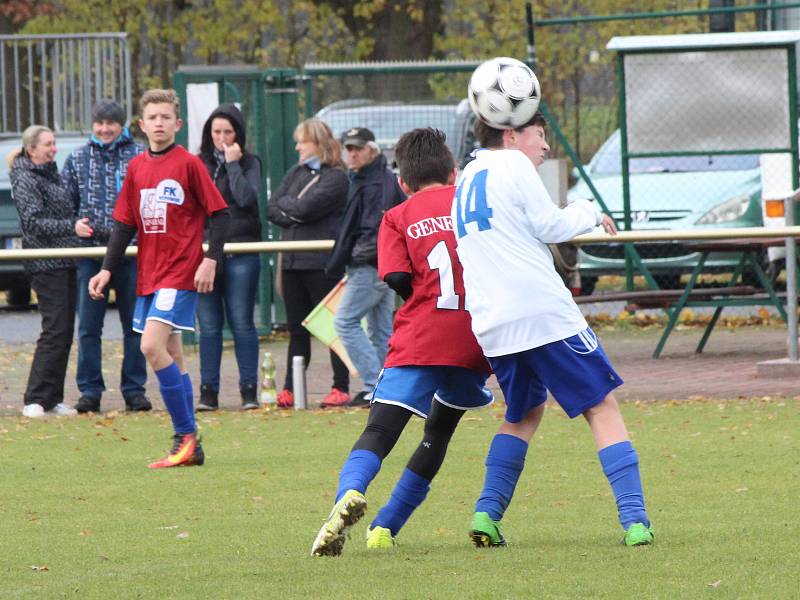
{"x": 209, "y": 399}
{"x": 249, "y": 398}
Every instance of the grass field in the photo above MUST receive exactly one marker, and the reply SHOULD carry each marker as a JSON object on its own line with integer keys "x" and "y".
{"x": 84, "y": 518}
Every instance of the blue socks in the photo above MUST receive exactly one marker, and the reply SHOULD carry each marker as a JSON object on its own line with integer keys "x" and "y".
{"x": 621, "y": 466}
{"x": 358, "y": 472}
{"x": 188, "y": 396}
{"x": 504, "y": 465}
{"x": 173, "y": 392}
{"x": 407, "y": 495}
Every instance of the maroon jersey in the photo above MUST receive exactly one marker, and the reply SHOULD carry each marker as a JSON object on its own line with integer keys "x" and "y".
{"x": 432, "y": 327}
{"x": 167, "y": 198}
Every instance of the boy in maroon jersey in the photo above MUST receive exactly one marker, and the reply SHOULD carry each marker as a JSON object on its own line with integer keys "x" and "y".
{"x": 434, "y": 369}
{"x": 165, "y": 199}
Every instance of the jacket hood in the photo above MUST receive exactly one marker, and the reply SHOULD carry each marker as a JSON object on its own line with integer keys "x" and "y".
{"x": 122, "y": 139}
{"x": 234, "y": 115}
{"x": 25, "y": 163}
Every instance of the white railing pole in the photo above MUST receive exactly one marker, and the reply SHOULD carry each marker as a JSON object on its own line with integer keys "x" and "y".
{"x": 299, "y": 382}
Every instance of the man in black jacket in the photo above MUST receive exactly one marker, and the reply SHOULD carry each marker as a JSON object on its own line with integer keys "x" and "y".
{"x": 373, "y": 190}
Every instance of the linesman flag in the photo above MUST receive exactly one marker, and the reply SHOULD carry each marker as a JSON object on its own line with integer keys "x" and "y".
{"x": 319, "y": 323}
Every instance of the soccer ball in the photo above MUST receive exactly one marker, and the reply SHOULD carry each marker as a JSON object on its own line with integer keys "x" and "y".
{"x": 504, "y": 93}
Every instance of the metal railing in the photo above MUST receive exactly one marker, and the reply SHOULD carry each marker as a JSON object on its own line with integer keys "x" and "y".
{"x": 55, "y": 79}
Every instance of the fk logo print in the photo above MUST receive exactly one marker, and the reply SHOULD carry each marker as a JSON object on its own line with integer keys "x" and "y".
{"x": 153, "y": 212}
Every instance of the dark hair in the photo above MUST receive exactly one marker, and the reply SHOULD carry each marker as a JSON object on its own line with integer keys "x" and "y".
{"x": 423, "y": 158}
{"x": 489, "y": 137}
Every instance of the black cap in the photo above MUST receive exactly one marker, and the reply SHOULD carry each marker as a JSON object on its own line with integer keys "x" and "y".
{"x": 357, "y": 136}
{"x": 108, "y": 110}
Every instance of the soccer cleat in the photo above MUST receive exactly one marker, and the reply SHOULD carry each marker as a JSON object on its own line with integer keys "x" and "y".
{"x": 335, "y": 399}
{"x": 486, "y": 533}
{"x": 379, "y": 538}
{"x": 285, "y": 399}
{"x": 362, "y": 399}
{"x": 345, "y": 513}
{"x": 638, "y": 534}
{"x": 186, "y": 452}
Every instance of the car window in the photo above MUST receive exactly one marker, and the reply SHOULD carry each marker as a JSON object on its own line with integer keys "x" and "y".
{"x": 65, "y": 147}
{"x": 608, "y": 162}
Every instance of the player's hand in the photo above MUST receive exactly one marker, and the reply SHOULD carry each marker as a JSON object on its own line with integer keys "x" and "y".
{"x": 609, "y": 226}
{"x": 98, "y": 283}
{"x": 232, "y": 152}
{"x": 83, "y": 229}
{"x": 204, "y": 276}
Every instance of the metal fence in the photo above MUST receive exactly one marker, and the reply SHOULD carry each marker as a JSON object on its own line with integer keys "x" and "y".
{"x": 55, "y": 79}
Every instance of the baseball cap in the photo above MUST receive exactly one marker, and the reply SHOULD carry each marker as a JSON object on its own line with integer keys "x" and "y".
{"x": 357, "y": 136}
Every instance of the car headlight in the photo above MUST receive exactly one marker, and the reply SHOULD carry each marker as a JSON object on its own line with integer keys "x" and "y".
{"x": 730, "y": 210}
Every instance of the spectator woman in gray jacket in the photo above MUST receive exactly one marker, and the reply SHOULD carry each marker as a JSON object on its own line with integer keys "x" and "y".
{"x": 47, "y": 218}
{"x": 308, "y": 205}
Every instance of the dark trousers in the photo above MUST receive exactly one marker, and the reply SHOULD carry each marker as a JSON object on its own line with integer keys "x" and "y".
{"x": 302, "y": 291}
{"x": 56, "y": 293}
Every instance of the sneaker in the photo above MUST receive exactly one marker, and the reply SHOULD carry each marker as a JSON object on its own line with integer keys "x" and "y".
{"x": 186, "y": 452}
{"x": 63, "y": 410}
{"x": 285, "y": 399}
{"x": 361, "y": 400}
{"x": 208, "y": 399}
{"x": 379, "y": 538}
{"x": 485, "y": 532}
{"x": 638, "y": 534}
{"x": 345, "y": 513}
{"x": 33, "y": 411}
{"x": 138, "y": 403}
{"x": 249, "y": 399}
{"x": 87, "y": 404}
{"x": 335, "y": 398}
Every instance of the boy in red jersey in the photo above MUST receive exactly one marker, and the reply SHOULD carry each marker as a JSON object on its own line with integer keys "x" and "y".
{"x": 434, "y": 368}
{"x": 165, "y": 199}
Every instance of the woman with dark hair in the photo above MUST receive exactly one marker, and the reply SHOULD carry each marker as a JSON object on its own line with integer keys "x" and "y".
{"x": 47, "y": 218}
{"x": 308, "y": 205}
{"x": 237, "y": 175}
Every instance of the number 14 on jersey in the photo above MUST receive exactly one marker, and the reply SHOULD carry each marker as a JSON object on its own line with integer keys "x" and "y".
{"x": 473, "y": 208}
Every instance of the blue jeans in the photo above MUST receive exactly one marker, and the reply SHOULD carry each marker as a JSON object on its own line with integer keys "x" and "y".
{"x": 365, "y": 296}
{"x": 234, "y": 299}
{"x": 91, "y": 314}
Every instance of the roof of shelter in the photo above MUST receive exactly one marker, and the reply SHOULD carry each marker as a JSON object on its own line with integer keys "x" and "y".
{"x": 691, "y": 41}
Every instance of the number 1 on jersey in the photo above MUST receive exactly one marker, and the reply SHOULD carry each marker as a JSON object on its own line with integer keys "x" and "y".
{"x": 439, "y": 261}
{"x": 474, "y": 208}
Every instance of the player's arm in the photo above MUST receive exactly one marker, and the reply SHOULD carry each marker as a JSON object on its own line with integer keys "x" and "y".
{"x": 394, "y": 263}
{"x": 121, "y": 236}
{"x": 218, "y": 224}
{"x": 400, "y": 282}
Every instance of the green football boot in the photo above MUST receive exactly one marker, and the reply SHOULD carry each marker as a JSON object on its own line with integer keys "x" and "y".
{"x": 486, "y": 533}
{"x": 345, "y": 513}
{"x": 639, "y": 534}
{"x": 379, "y": 538}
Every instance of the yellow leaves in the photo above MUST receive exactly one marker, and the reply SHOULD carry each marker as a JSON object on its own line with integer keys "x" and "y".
{"x": 39, "y": 568}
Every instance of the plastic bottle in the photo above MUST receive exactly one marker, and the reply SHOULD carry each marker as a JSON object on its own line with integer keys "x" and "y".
{"x": 269, "y": 391}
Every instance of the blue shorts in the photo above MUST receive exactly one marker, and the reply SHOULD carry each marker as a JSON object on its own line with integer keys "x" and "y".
{"x": 575, "y": 370}
{"x": 174, "y": 307}
{"x": 415, "y": 387}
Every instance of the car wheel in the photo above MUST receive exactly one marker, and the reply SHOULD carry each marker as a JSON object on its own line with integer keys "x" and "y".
{"x": 19, "y": 295}
{"x": 587, "y": 284}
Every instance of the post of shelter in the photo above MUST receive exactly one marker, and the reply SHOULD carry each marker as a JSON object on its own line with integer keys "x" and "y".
{"x": 791, "y": 278}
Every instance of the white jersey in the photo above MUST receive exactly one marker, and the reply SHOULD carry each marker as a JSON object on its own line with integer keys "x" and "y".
{"x": 503, "y": 218}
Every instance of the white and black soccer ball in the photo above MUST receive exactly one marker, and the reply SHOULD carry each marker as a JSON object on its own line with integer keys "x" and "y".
{"x": 504, "y": 92}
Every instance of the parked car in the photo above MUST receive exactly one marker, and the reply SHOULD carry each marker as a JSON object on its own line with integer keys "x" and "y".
{"x": 12, "y": 274}
{"x": 389, "y": 120}
{"x": 678, "y": 192}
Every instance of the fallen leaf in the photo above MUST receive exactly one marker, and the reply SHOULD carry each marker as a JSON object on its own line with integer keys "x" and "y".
{"x": 39, "y": 568}
{"x": 182, "y": 535}
{"x": 86, "y": 533}
{"x": 714, "y": 584}
{"x": 169, "y": 527}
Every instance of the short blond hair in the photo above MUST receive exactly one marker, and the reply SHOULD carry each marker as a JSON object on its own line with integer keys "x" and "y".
{"x": 159, "y": 96}
{"x": 317, "y": 131}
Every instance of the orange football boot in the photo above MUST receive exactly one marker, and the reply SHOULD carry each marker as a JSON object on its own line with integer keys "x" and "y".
{"x": 186, "y": 452}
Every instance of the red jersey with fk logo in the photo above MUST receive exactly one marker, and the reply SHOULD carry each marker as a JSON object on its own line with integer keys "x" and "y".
{"x": 432, "y": 327}
{"x": 167, "y": 198}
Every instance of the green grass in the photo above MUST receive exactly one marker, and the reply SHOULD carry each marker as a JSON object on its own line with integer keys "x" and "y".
{"x": 721, "y": 481}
